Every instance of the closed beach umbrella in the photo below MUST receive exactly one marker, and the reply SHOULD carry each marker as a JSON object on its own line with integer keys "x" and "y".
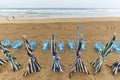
{"x": 2, "y": 62}
{"x": 78, "y": 65}
{"x": 11, "y": 59}
{"x": 56, "y": 59}
{"x": 115, "y": 67}
{"x": 107, "y": 50}
{"x": 33, "y": 65}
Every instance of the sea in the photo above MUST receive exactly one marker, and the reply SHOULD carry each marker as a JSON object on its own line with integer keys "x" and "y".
{"x": 58, "y": 12}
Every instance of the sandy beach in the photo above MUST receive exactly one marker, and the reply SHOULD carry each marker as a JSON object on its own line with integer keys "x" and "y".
{"x": 94, "y": 30}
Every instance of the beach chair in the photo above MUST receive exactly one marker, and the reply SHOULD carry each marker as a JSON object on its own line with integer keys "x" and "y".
{"x": 116, "y": 47}
{"x": 16, "y": 45}
{"x": 45, "y": 45}
{"x": 33, "y": 44}
{"x": 61, "y": 46}
{"x": 71, "y": 45}
{"x": 99, "y": 46}
{"x": 6, "y": 43}
{"x": 82, "y": 46}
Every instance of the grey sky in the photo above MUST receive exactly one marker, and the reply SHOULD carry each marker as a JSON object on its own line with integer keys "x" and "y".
{"x": 59, "y": 3}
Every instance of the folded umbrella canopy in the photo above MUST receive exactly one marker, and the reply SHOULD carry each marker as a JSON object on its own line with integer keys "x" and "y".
{"x": 33, "y": 65}
{"x": 2, "y": 62}
{"x": 115, "y": 67}
{"x": 12, "y": 60}
{"x": 106, "y": 51}
{"x": 56, "y": 63}
{"x": 78, "y": 65}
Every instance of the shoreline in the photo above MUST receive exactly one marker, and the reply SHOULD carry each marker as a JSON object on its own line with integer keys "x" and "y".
{"x": 55, "y": 20}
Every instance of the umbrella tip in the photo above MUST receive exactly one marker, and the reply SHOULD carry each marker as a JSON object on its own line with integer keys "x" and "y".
{"x": 23, "y": 36}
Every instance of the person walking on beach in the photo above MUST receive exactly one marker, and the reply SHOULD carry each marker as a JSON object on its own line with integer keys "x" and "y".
{"x": 13, "y": 17}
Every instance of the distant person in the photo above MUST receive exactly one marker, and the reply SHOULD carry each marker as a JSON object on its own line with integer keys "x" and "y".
{"x": 13, "y": 17}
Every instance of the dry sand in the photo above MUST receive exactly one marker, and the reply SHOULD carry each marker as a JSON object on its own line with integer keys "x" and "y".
{"x": 94, "y": 30}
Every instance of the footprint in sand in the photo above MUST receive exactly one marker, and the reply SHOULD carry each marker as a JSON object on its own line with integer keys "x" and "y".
{"x": 64, "y": 28}
{"x": 77, "y": 27}
{"x": 107, "y": 28}
{"x": 19, "y": 28}
{"x": 97, "y": 27}
{"x": 113, "y": 27}
{"x": 33, "y": 28}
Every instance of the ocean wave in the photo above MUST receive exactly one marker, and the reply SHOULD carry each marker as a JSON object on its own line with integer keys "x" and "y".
{"x": 58, "y": 12}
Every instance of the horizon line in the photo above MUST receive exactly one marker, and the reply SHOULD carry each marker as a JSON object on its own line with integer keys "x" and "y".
{"x": 58, "y": 8}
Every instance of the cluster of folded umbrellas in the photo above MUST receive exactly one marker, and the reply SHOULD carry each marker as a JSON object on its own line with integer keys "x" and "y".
{"x": 78, "y": 66}
{"x": 33, "y": 65}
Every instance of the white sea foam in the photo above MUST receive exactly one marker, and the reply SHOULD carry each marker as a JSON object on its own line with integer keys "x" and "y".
{"x": 58, "y": 12}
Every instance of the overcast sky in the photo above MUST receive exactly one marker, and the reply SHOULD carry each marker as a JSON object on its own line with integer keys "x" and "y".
{"x": 59, "y": 3}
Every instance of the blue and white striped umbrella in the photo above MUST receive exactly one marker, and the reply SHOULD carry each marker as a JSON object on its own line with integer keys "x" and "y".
{"x": 115, "y": 67}
{"x": 2, "y": 62}
{"x": 56, "y": 59}
{"x": 78, "y": 65}
{"x": 33, "y": 65}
